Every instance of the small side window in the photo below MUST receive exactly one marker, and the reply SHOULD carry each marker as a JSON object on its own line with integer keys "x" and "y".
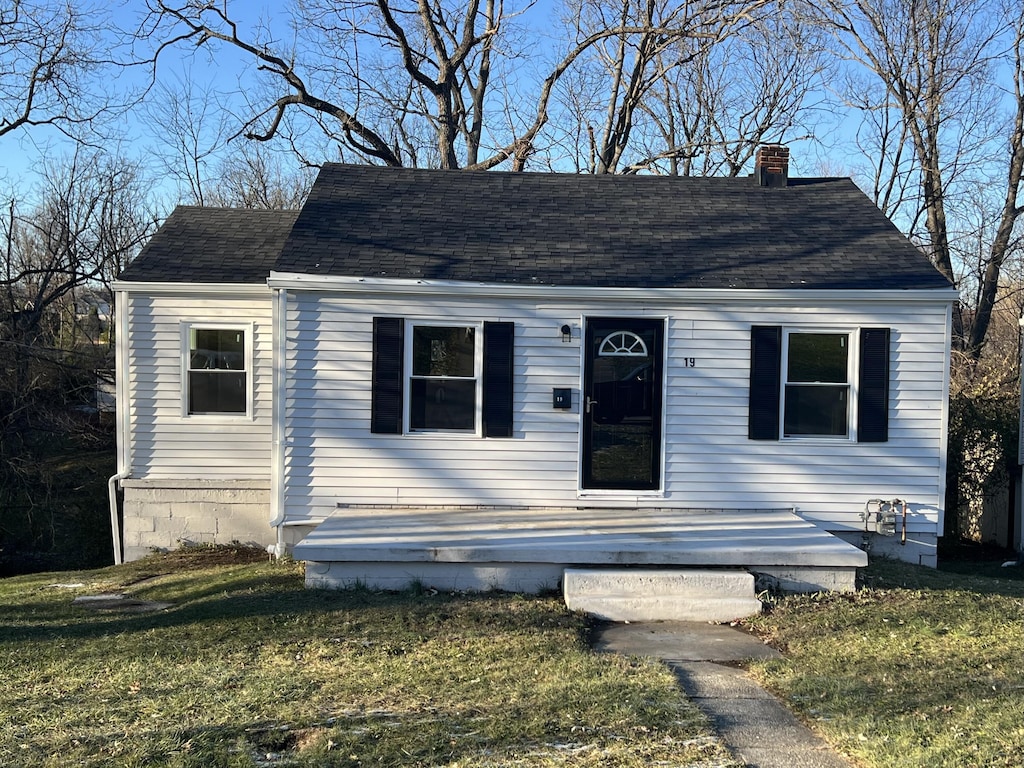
{"x": 217, "y": 371}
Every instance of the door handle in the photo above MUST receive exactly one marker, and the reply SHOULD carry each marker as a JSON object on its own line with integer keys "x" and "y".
{"x": 590, "y": 404}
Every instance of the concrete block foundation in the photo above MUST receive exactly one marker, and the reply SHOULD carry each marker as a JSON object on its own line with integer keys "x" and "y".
{"x": 165, "y": 514}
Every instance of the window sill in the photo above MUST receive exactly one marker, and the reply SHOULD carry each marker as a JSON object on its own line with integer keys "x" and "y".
{"x": 218, "y": 418}
{"x": 823, "y": 439}
{"x": 619, "y": 493}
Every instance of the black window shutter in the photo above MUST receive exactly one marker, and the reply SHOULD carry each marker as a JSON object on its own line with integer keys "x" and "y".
{"x": 498, "y": 359}
{"x": 386, "y": 378}
{"x": 765, "y": 376}
{"x": 873, "y": 386}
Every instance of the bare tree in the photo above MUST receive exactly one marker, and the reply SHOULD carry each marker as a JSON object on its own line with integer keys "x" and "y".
{"x": 89, "y": 221}
{"x": 195, "y": 150}
{"x": 1004, "y": 242}
{"x": 632, "y": 72}
{"x": 253, "y": 177}
{"x": 88, "y": 225}
{"x": 189, "y": 131}
{"x": 384, "y": 77}
{"x": 48, "y": 51}
{"x": 443, "y": 50}
{"x": 757, "y": 85}
{"x": 929, "y": 109}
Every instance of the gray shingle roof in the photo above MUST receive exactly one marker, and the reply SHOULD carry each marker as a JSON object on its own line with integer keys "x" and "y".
{"x": 213, "y": 245}
{"x": 560, "y": 229}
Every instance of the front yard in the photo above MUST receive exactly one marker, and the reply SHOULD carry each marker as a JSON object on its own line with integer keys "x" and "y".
{"x": 920, "y": 668}
{"x": 247, "y": 668}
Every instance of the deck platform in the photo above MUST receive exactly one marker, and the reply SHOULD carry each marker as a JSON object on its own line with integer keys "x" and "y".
{"x": 527, "y": 549}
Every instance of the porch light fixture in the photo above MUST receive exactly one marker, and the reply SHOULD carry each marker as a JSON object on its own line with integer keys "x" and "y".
{"x": 566, "y": 333}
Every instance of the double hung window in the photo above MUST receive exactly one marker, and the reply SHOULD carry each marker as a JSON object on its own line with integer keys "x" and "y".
{"x": 817, "y": 385}
{"x": 217, "y": 365}
{"x": 444, "y": 381}
{"x": 454, "y": 377}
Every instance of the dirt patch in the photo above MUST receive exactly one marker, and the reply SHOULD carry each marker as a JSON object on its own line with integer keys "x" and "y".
{"x": 271, "y": 744}
{"x": 189, "y": 558}
{"x": 195, "y": 558}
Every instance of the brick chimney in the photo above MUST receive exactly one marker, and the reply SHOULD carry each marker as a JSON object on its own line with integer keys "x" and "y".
{"x": 771, "y": 166}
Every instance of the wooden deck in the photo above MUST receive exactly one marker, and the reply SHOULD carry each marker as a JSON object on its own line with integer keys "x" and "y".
{"x": 527, "y": 549}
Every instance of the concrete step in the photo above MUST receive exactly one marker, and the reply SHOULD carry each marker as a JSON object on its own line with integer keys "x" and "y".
{"x": 637, "y": 594}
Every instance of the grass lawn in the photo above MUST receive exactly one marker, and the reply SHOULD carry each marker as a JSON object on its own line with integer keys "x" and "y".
{"x": 920, "y": 668}
{"x": 248, "y": 668}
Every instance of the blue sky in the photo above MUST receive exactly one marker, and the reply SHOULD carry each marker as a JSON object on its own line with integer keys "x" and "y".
{"x": 22, "y": 152}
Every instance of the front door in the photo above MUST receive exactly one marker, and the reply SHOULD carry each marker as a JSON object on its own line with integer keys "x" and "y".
{"x": 621, "y": 408}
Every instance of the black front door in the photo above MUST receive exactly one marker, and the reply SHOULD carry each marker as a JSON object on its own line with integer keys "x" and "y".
{"x": 621, "y": 408}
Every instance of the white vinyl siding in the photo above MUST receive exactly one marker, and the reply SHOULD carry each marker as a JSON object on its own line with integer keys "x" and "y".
{"x": 167, "y": 443}
{"x": 331, "y": 457}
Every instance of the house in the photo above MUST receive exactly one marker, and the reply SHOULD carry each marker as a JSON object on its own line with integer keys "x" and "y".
{"x": 481, "y": 379}
{"x": 92, "y": 303}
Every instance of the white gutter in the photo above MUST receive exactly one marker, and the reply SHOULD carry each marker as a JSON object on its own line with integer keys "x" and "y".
{"x": 115, "y": 526}
{"x": 121, "y": 423}
{"x": 220, "y": 289}
{"x": 791, "y": 296}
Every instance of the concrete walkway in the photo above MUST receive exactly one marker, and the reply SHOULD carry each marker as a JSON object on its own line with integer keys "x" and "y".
{"x": 752, "y": 723}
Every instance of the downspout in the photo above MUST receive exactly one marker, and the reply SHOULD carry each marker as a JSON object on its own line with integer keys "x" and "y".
{"x": 115, "y": 525}
{"x": 947, "y": 363}
{"x": 279, "y": 347}
{"x": 121, "y": 422}
{"x": 1018, "y": 512}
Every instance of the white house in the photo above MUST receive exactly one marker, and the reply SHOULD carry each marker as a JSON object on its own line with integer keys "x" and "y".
{"x": 473, "y": 379}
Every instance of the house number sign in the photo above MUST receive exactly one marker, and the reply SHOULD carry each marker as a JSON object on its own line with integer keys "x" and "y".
{"x": 689, "y": 362}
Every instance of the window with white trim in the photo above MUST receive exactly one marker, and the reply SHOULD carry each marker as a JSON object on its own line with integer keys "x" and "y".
{"x": 817, "y": 376}
{"x": 444, "y": 364}
{"x": 216, "y": 378}
{"x": 799, "y": 387}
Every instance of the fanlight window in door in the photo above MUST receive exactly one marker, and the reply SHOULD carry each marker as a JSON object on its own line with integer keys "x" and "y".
{"x": 622, "y": 344}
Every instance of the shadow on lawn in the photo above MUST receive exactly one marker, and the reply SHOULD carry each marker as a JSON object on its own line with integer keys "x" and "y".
{"x": 985, "y": 576}
{"x": 988, "y": 560}
{"x": 270, "y": 599}
{"x": 441, "y": 737}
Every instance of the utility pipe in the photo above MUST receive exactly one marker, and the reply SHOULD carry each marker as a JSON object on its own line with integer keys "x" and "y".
{"x": 903, "y": 519}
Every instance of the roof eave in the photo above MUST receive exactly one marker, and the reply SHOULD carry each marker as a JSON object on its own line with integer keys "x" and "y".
{"x": 421, "y": 287}
{"x": 149, "y": 286}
